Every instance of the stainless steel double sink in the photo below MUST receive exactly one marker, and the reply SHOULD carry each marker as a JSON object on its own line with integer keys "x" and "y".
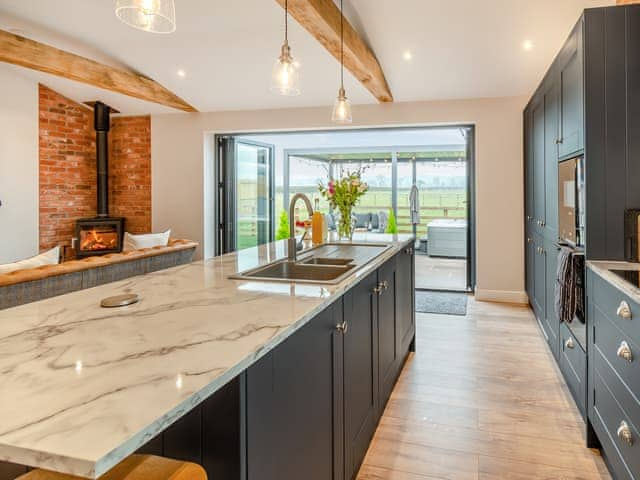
{"x": 326, "y": 264}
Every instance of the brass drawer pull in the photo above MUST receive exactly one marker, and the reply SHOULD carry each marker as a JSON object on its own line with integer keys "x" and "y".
{"x": 569, "y": 343}
{"x": 624, "y": 433}
{"x": 624, "y": 351}
{"x": 624, "y": 311}
{"x": 342, "y": 328}
{"x": 377, "y": 289}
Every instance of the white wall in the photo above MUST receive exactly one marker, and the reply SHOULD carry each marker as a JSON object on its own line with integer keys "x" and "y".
{"x": 178, "y": 164}
{"x": 18, "y": 165}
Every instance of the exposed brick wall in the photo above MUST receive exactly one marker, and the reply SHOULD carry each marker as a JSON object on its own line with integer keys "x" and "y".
{"x": 68, "y": 169}
{"x": 130, "y": 172}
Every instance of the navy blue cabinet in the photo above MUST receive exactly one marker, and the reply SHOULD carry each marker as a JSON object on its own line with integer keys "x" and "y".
{"x": 294, "y": 409}
{"x": 570, "y": 66}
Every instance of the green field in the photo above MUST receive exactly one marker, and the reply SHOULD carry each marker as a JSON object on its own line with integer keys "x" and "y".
{"x": 434, "y": 204}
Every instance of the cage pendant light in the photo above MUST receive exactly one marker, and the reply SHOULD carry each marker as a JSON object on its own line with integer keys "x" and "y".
{"x": 285, "y": 76}
{"x": 156, "y": 16}
{"x": 342, "y": 105}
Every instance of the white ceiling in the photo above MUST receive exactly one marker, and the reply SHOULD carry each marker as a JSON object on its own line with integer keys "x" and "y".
{"x": 461, "y": 48}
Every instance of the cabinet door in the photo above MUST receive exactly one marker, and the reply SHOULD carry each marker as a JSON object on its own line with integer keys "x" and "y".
{"x": 530, "y": 250}
{"x": 551, "y": 120}
{"x": 550, "y": 255}
{"x": 388, "y": 357}
{"x": 360, "y": 372}
{"x": 539, "y": 281}
{"x": 405, "y": 316}
{"x": 539, "y": 188}
{"x": 528, "y": 168}
{"x": 571, "y": 96}
{"x": 294, "y": 406}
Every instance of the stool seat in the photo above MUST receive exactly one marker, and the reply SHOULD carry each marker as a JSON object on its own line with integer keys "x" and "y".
{"x": 135, "y": 467}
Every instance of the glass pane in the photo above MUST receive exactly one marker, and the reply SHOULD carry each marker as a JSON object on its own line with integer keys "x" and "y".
{"x": 304, "y": 176}
{"x": 443, "y": 191}
{"x": 252, "y": 187}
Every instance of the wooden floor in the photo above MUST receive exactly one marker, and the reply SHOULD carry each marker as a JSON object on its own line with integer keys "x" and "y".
{"x": 441, "y": 273}
{"x": 481, "y": 399}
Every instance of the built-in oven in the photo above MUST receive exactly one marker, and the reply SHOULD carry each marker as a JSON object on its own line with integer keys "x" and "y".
{"x": 571, "y": 202}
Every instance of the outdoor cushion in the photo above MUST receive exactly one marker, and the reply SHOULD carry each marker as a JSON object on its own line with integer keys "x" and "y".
{"x": 375, "y": 221}
{"x": 362, "y": 220}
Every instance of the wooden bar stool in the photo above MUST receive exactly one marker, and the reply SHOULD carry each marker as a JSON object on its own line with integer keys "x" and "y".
{"x": 135, "y": 467}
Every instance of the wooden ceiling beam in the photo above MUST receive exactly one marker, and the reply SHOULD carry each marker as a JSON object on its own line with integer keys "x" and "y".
{"x": 321, "y": 18}
{"x": 31, "y": 54}
{"x": 626, "y": 2}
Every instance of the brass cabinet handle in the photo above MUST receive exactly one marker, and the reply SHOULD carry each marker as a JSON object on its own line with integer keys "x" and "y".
{"x": 569, "y": 343}
{"x": 529, "y": 240}
{"x": 624, "y": 433}
{"x": 528, "y": 217}
{"x": 384, "y": 285}
{"x": 408, "y": 251}
{"x": 342, "y": 328}
{"x": 559, "y": 141}
{"x": 377, "y": 289}
{"x": 624, "y": 351}
{"x": 624, "y": 311}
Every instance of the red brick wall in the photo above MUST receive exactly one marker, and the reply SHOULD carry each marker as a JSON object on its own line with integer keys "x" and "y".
{"x": 68, "y": 169}
{"x": 130, "y": 172}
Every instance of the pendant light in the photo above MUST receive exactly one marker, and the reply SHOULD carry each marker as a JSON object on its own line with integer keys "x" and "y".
{"x": 156, "y": 16}
{"x": 342, "y": 105}
{"x": 285, "y": 76}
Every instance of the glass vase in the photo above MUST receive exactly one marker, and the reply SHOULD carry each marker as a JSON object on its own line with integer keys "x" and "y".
{"x": 345, "y": 223}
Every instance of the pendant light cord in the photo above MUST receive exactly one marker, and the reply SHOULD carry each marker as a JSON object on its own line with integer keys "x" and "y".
{"x": 341, "y": 46}
{"x": 286, "y": 21}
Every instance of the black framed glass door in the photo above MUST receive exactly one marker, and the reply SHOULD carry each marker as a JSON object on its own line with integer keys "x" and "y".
{"x": 246, "y": 194}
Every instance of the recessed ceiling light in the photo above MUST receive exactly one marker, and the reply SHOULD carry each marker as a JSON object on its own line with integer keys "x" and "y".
{"x": 527, "y": 45}
{"x": 407, "y": 55}
{"x": 181, "y": 73}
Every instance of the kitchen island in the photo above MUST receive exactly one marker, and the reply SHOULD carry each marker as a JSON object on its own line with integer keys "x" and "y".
{"x": 227, "y": 372}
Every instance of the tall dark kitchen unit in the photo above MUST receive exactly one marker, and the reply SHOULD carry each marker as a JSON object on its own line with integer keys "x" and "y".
{"x": 586, "y": 110}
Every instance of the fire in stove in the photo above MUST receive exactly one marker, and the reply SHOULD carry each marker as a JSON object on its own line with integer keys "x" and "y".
{"x": 98, "y": 239}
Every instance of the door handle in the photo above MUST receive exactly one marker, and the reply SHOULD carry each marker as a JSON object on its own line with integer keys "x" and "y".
{"x": 624, "y": 311}
{"x": 624, "y": 433}
{"x": 624, "y": 351}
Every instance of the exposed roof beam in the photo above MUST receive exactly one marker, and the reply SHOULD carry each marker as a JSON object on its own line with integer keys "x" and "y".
{"x": 627, "y": 2}
{"x": 321, "y": 18}
{"x": 28, "y": 53}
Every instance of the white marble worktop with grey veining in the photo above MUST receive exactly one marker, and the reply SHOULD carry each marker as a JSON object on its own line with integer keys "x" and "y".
{"x": 603, "y": 268}
{"x": 82, "y": 387}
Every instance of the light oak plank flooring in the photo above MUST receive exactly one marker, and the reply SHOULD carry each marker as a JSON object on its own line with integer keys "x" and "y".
{"x": 481, "y": 399}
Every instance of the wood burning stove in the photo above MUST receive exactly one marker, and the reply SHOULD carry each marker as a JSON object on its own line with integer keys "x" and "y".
{"x": 102, "y": 234}
{"x": 98, "y": 236}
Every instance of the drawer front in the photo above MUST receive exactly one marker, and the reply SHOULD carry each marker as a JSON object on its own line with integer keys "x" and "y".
{"x": 573, "y": 364}
{"x": 609, "y": 299}
{"x": 614, "y": 411}
{"x": 620, "y": 352}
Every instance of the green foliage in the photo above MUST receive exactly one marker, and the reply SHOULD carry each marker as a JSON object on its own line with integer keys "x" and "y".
{"x": 283, "y": 226}
{"x": 392, "y": 225}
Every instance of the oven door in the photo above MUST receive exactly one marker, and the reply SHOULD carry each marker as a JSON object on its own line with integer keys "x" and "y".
{"x": 568, "y": 201}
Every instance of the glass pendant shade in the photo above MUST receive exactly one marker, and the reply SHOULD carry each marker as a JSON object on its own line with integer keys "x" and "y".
{"x": 157, "y": 16}
{"x": 285, "y": 77}
{"x": 342, "y": 108}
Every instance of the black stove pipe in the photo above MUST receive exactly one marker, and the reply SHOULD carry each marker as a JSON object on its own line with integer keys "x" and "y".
{"x": 102, "y": 124}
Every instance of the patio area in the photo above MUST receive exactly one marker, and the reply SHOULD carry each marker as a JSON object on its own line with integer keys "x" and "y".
{"x": 441, "y": 273}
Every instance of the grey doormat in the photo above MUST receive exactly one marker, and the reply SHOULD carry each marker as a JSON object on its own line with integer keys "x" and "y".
{"x": 448, "y": 303}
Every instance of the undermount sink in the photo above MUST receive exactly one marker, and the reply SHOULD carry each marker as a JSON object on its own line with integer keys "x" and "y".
{"x": 327, "y": 261}
{"x": 286, "y": 270}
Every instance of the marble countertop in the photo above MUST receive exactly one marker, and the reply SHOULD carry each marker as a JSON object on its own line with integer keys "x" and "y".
{"x": 82, "y": 387}
{"x": 603, "y": 268}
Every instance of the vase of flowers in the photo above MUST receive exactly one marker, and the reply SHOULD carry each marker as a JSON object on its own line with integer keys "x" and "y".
{"x": 343, "y": 194}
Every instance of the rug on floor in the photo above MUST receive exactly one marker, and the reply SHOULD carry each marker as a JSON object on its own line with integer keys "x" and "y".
{"x": 447, "y": 303}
